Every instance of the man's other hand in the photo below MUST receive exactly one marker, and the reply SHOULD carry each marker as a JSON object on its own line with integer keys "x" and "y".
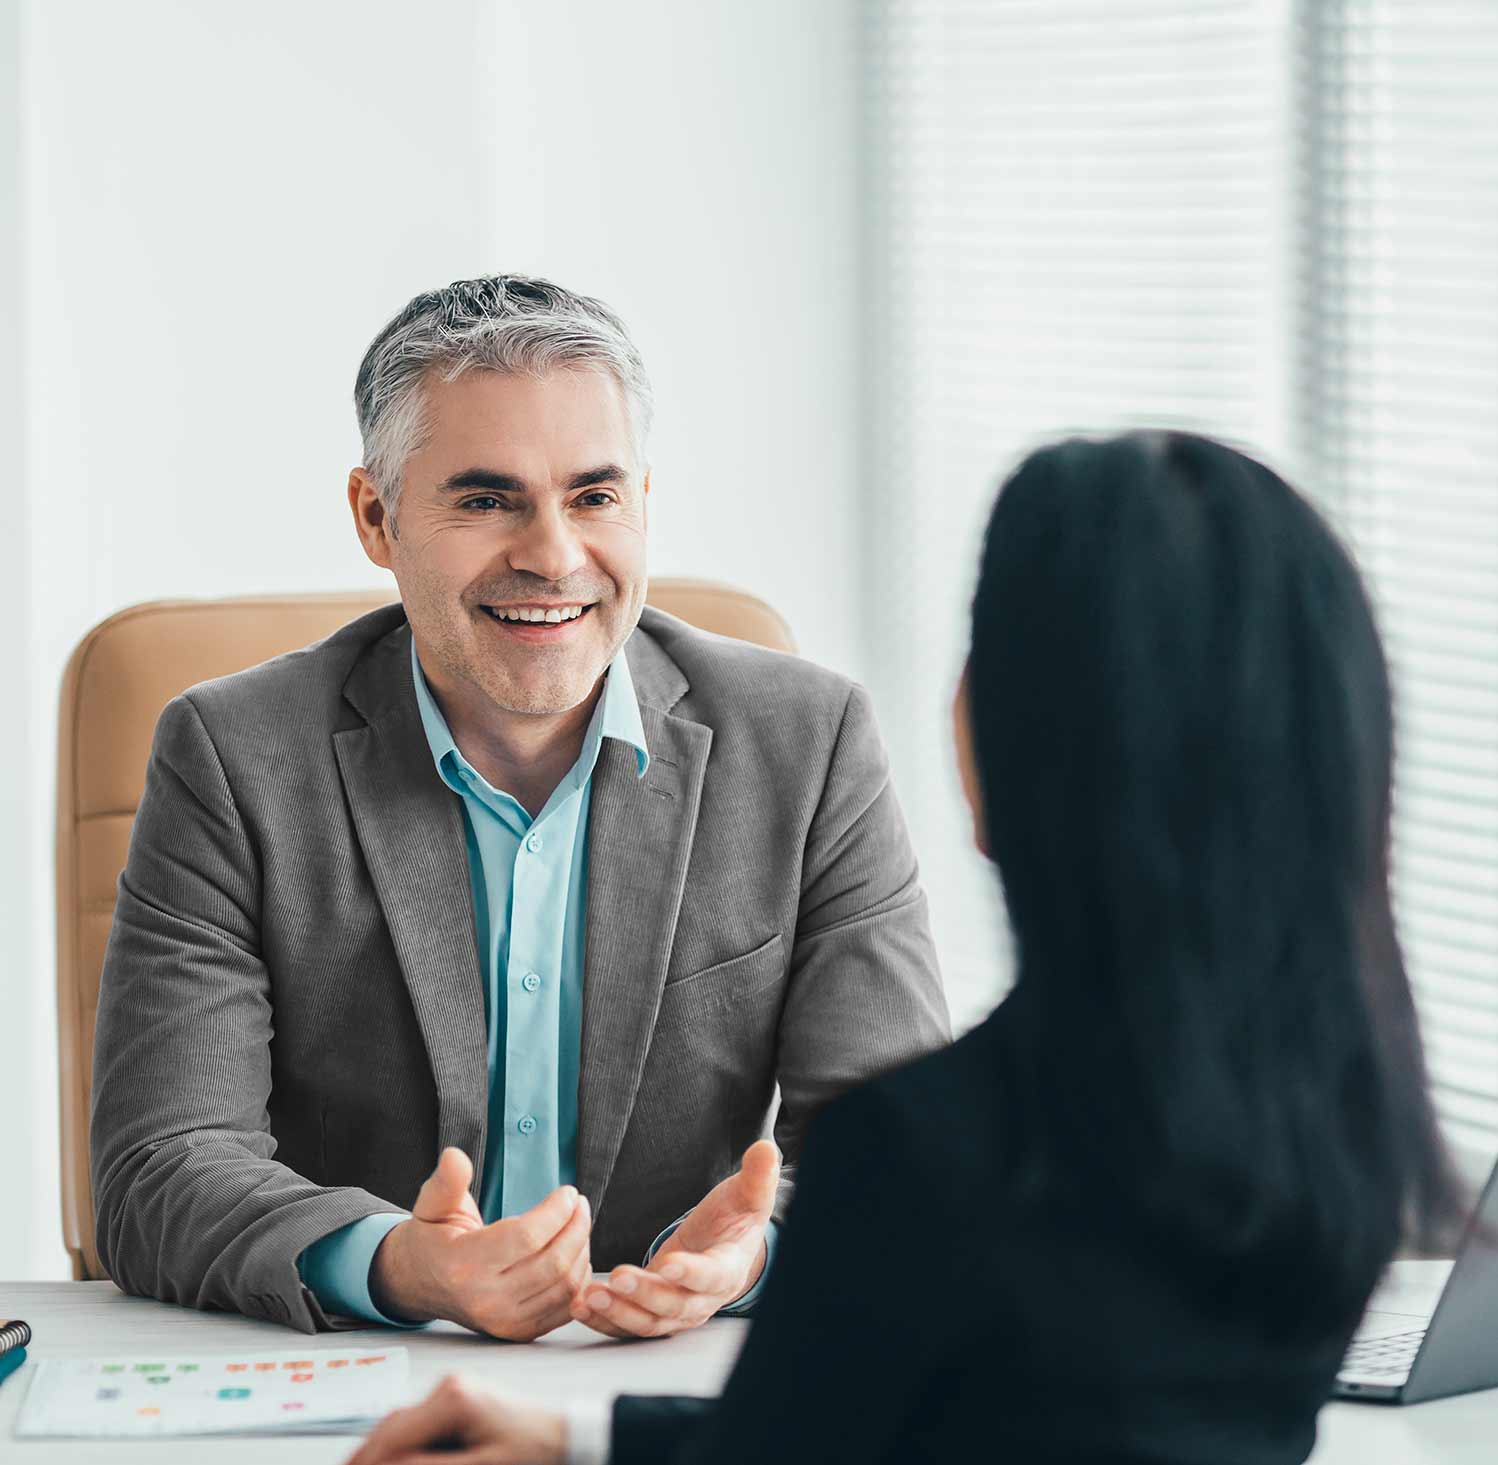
{"x": 511, "y": 1279}
{"x": 710, "y": 1260}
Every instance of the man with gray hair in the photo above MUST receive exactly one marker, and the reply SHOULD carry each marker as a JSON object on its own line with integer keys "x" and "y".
{"x": 518, "y": 875}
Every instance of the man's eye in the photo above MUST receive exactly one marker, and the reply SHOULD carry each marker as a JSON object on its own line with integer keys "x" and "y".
{"x": 596, "y": 500}
{"x": 483, "y": 501}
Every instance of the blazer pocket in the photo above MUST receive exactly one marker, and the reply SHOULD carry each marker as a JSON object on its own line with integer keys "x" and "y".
{"x": 736, "y": 978}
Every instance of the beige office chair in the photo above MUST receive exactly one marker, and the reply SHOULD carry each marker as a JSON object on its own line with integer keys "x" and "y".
{"x": 117, "y": 681}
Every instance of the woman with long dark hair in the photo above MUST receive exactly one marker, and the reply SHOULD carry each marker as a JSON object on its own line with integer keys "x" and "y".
{"x": 1135, "y": 1215}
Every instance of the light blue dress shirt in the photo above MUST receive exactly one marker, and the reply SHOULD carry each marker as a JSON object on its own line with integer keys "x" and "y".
{"x": 529, "y": 881}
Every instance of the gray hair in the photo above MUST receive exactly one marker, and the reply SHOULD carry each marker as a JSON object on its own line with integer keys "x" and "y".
{"x": 504, "y": 323}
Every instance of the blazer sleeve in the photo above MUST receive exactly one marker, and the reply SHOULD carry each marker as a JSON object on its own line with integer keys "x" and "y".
{"x": 190, "y": 1204}
{"x": 834, "y": 1358}
{"x": 864, "y": 992}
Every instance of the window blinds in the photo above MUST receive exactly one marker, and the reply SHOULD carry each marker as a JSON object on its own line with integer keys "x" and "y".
{"x": 1400, "y": 430}
{"x": 1275, "y": 221}
{"x": 1079, "y": 222}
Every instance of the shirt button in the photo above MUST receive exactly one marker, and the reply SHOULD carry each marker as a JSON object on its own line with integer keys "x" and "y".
{"x": 527, "y": 1125}
{"x": 533, "y": 842}
{"x": 530, "y": 981}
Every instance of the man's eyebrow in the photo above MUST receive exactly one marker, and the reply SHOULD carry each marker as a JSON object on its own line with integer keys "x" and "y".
{"x": 605, "y": 473}
{"x": 471, "y": 478}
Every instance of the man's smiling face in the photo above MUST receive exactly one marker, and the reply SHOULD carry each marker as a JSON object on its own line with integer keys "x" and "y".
{"x": 527, "y": 500}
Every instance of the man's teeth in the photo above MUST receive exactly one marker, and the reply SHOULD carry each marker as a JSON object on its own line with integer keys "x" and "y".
{"x": 535, "y": 613}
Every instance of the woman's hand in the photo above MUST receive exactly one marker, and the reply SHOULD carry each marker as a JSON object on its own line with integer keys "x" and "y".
{"x": 459, "y": 1423}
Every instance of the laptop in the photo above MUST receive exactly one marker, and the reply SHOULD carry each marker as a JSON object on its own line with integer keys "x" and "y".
{"x": 1405, "y": 1356}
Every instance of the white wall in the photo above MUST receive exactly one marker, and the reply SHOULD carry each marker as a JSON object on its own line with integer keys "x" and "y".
{"x": 28, "y": 1167}
{"x": 216, "y": 209}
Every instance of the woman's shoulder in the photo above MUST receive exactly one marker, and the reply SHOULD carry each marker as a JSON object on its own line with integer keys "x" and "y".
{"x": 942, "y": 1106}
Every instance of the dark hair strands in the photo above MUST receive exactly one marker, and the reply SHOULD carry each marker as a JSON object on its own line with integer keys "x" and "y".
{"x": 1183, "y": 728}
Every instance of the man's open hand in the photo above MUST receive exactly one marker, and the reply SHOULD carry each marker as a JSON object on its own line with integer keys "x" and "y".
{"x": 710, "y": 1260}
{"x": 512, "y": 1279}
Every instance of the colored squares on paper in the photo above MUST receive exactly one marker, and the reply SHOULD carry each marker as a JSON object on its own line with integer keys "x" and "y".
{"x": 232, "y": 1394}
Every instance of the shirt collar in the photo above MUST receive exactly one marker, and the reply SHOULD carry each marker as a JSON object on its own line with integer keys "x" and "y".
{"x": 616, "y": 715}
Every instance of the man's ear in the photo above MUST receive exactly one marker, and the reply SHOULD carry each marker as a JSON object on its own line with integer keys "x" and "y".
{"x": 376, "y": 527}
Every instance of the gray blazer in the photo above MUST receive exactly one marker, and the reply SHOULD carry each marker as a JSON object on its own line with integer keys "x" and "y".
{"x": 291, "y": 1017}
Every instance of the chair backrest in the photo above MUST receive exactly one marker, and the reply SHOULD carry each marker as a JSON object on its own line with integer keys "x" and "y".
{"x": 117, "y": 681}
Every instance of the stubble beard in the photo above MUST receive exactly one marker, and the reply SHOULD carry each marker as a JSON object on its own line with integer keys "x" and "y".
{"x": 549, "y": 690}
{"x": 554, "y": 694}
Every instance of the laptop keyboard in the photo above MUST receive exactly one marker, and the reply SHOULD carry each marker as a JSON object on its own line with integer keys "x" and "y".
{"x": 1390, "y": 1357}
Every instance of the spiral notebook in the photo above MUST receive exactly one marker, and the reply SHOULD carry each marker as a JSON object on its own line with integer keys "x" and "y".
{"x": 14, "y": 1336}
{"x": 340, "y": 1391}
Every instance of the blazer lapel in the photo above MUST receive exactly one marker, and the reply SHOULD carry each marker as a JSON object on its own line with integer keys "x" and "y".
{"x": 411, "y": 829}
{"x": 639, "y": 841}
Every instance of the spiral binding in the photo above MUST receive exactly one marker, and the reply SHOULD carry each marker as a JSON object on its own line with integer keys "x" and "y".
{"x": 14, "y": 1335}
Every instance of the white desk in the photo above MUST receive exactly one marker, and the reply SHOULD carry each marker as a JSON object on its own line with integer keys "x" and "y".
{"x": 73, "y": 1318}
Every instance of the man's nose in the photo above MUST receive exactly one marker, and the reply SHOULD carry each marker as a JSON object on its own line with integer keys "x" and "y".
{"x": 547, "y": 545}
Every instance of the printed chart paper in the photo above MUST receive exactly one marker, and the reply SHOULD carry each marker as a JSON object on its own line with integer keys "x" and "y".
{"x": 342, "y": 1391}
